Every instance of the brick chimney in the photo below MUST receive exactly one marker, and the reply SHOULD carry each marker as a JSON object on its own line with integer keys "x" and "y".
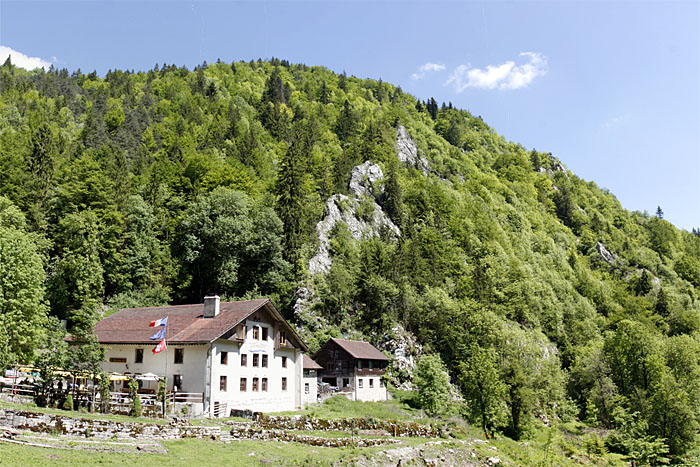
{"x": 211, "y": 306}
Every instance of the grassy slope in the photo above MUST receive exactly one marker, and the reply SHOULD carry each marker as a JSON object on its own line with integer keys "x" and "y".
{"x": 564, "y": 445}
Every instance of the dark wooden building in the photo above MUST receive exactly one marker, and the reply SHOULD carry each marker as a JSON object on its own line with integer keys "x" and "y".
{"x": 355, "y": 367}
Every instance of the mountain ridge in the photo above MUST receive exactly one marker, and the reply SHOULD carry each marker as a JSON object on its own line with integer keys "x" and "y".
{"x": 534, "y": 286}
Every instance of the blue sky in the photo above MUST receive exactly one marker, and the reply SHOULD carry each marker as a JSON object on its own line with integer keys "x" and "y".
{"x": 611, "y": 88}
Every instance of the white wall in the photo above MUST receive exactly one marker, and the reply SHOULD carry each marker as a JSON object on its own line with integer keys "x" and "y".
{"x": 312, "y": 381}
{"x": 367, "y": 393}
{"x": 272, "y": 400}
{"x": 192, "y": 369}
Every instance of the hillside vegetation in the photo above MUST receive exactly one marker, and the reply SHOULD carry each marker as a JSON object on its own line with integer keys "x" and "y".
{"x": 543, "y": 296}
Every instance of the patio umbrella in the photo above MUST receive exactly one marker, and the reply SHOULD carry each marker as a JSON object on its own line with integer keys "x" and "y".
{"x": 148, "y": 377}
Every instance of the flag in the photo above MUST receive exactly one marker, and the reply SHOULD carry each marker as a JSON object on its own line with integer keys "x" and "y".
{"x": 159, "y": 335}
{"x": 159, "y": 322}
{"x": 160, "y": 347}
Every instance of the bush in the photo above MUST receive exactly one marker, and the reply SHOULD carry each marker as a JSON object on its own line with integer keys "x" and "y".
{"x": 68, "y": 403}
{"x": 432, "y": 384}
{"x": 136, "y": 401}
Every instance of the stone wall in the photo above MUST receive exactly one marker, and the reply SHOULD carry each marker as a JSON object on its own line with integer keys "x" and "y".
{"x": 250, "y": 432}
{"x": 391, "y": 427}
{"x": 101, "y": 429}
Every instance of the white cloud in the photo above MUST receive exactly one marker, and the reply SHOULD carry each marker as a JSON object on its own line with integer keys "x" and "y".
{"x": 427, "y": 67}
{"x": 21, "y": 60}
{"x": 505, "y": 76}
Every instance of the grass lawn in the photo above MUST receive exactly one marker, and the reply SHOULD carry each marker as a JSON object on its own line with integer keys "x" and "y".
{"x": 189, "y": 452}
{"x": 341, "y": 407}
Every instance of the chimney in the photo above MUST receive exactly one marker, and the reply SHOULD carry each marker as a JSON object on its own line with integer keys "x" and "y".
{"x": 211, "y": 306}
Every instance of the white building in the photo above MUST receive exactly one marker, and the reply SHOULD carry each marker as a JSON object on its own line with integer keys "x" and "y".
{"x": 311, "y": 369}
{"x": 236, "y": 355}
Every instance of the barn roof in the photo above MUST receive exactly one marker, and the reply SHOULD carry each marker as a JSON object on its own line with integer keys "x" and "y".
{"x": 359, "y": 349}
{"x": 186, "y": 323}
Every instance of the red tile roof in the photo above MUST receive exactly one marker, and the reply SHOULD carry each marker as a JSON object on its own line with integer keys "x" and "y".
{"x": 186, "y": 324}
{"x": 309, "y": 364}
{"x": 359, "y": 349}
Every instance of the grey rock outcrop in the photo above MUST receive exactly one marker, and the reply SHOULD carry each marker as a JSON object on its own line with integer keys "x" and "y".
{"x": 364, "y": 178}
{"x": 406, "y": 351}
{"x": 408, "y": 152}
{"x": 341, "y": 208}
{"x": 605, "y": 254}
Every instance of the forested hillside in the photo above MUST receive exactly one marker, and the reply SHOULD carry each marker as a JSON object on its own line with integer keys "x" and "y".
{"x": 543, "y": 296}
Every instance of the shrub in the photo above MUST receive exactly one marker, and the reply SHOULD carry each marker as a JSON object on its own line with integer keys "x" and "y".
{"x": 68, "y": 404}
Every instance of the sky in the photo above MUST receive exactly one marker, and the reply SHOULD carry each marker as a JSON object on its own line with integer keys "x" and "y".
{"x": 610, "y": 88}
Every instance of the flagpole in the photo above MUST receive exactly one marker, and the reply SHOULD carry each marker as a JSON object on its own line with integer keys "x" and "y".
{"x": 165, "y": 392}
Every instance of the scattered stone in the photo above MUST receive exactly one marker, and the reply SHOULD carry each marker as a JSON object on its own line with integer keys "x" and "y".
{"x": 493, "y": 460}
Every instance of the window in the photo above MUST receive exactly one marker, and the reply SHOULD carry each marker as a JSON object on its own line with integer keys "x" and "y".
{"x": 139, "y": 356}
{"x": 370, "y": 364}
{"x": 256, "y": 332}
{"x": 255, "y": 384}
{"x": 264, "y": 361}
{"x": 264, "y": 384}
{"x": 222, "y": 383}
{"x": 224, "y": 358}
{"x": 256, "y": 359}
{"x": 359, "y": 383}
{"x": 179, "y": 353}
{"x": 381, "y": 383}
{"x": 359, "y": 364}
{"x": 264, "y": 334}
{"x": 371, "y": 382}
{"x": 284, "y": 383}
{"x": 306, "y": 388}
{"x": 283, "y": 338}
{"x": 330, "y": 354}
{"x": 346, "y": 382}
{"x": 177, "y": 382}
{"x": 244, "y": 382}
{"x": 240, "y": 331}
{"x": 284, "y": 362}
{"x": 244, "y": 359}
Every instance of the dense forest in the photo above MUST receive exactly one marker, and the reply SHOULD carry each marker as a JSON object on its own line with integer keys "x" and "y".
{"x": 543, "y": 296}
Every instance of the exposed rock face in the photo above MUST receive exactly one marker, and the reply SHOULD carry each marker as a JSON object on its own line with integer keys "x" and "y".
{"x": 363, "y": 179}
{"x": 605, "y": 254}
{"x": 406, "y": 352}
{"x": 408, "y": 152}
{"x": 341, "y": 208}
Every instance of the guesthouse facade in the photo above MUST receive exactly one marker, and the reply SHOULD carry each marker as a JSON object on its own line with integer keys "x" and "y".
{"x": 238, "y": 355}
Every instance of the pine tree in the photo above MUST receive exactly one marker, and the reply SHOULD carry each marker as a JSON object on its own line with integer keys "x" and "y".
{"x": 293, "y": 189}
{"x": 659, "y": 212}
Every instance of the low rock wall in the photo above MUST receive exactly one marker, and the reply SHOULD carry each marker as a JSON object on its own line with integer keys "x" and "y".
{"x": 391, "y": 427}
{"x": 101, "y": 429}
{"x": 250, "y": 432}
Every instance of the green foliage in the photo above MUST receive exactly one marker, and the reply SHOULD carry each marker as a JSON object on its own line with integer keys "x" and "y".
{"x": 68, "y": 403}
{"x": 483, "y": 388}
{"x": 135, "y": 399}
{"x": 22, "y": 305}
{"x": 432, "y": 384}
{"x": 534, "y": 286}
{"x": 104, "y": 392}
